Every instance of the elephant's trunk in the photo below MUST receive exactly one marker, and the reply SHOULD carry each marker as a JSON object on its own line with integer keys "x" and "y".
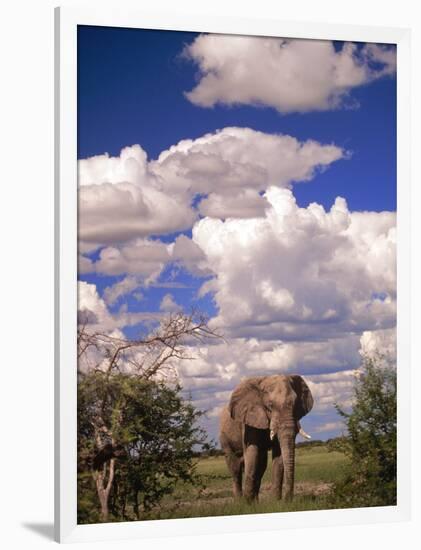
{"x": 287, "y": 440}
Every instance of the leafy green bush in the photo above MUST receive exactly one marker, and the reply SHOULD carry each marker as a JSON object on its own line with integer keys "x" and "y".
{"x": 370, "y": 443}
{"x": 154, "y": 430}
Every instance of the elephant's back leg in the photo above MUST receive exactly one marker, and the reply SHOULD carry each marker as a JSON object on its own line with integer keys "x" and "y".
{"x": 236, "y": 467}
{"x": 231, "y": 443}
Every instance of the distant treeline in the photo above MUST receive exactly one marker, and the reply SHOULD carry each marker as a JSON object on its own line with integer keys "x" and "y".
{"x": 212, "y": 450}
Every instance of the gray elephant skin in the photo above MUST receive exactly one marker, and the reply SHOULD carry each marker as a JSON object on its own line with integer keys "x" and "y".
{"x": 264, "y": 414}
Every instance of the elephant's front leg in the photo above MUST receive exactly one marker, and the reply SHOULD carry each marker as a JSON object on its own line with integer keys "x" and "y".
{"x": 251, "y": 463}
{"x": 277, "y": 469}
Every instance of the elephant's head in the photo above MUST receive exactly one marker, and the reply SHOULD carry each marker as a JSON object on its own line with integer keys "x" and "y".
{"x": 275, "y": 403}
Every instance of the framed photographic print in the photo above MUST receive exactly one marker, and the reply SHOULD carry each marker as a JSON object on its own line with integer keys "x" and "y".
{"x": 232, "y": 246}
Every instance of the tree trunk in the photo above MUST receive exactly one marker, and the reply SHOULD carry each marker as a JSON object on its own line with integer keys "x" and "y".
{"x": 288, "y": 456}
{"x": 104, "y": 506}
{"x": 103, "y": 487}
{"x": 136, "y": 504}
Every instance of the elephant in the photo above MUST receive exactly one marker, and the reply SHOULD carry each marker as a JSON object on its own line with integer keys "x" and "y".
{"x": 264, "y": 413}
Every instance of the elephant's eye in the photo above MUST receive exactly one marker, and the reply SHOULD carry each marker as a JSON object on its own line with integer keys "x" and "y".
{"x": 270, "y": 405}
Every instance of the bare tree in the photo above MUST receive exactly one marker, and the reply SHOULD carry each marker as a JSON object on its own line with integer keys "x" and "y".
{"x": 147, "y": 356}
{"x": 154, "y": 356}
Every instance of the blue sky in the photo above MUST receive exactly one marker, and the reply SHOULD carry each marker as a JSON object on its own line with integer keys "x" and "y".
{"x": 130, "y": 90}
{"x": 132, "y": 87}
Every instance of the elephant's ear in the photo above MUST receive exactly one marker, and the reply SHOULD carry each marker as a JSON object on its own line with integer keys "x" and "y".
{"x": 246, "y": 405}
{"x": 304, "y": 403}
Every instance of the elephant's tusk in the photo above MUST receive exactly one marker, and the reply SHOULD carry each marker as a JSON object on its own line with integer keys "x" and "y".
{"x": 304, "y": 434}
{"x": 272, "y": 434}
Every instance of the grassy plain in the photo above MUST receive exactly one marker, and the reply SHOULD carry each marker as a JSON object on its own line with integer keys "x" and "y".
{"x": 316, "y": 470}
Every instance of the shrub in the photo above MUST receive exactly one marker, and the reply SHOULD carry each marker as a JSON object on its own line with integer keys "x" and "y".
{"x": 153, "y": 432}
{"x": 370, "y": 443}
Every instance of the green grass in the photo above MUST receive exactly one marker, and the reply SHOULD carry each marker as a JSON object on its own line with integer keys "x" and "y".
{"x": 319, "y": 465}
{"x": 312, "y": 464}
{"x": 316, "y": 469}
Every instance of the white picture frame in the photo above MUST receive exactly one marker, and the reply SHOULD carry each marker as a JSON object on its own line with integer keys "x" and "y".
{"x": 66, "y": 22}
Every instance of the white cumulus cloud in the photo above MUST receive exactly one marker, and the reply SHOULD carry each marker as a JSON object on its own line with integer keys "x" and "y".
{"x": 91, "y": 307}
{"x": 126, "y": 198}
{"x": 241, "y": 158}
{"x": 301, "y": 273}
{"x": 120, "y": 199}
{"x": 378, "y": 342}
{"x": 121, "y": 288}
{"x": 290, "y": 75}
{"x": 142, "y": 257}
{"x": 169, "y": 305}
